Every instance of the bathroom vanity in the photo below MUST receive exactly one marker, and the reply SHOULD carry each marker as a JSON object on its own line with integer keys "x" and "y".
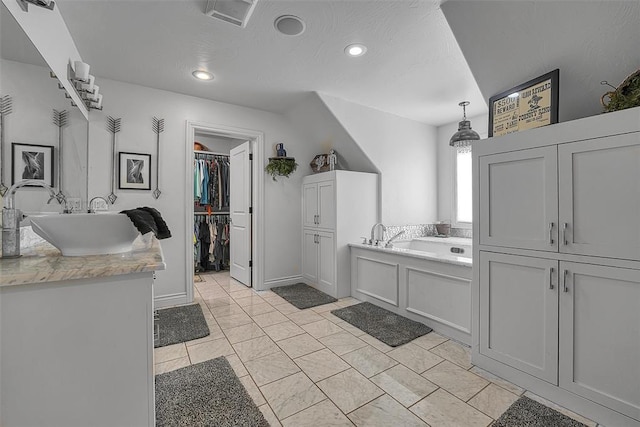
{"x": 76, "y": 337}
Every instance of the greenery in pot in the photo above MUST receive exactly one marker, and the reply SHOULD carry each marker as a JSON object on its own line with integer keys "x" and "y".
{"x": 281, "y": 167}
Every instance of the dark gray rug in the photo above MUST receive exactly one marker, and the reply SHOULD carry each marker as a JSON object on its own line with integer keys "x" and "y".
{"x": 206, "y": 394}
{"x": 180, "y": 324}
{"x": 390, "y": 328}
{"x": 303, "y": 296}
{"x": 526, "y": 412}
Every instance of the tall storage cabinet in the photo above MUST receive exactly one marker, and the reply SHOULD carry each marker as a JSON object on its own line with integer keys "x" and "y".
{"x": 338, "y": 207}
{"x": 556, "y": 291}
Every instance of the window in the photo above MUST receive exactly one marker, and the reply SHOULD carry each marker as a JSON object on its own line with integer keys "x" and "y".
{"x": 462, "y": 187}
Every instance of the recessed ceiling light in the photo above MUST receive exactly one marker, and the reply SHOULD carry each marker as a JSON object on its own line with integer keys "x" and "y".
{"x": 355, "y": 49}
{"x": 289, "y": 25}
{"x": 202, "y": 75}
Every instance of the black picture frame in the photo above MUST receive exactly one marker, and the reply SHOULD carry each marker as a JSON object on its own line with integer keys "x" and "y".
{"x": 32, "y": 161}
{"x": 134, "y": 171}
{"x": 507, "y": 114}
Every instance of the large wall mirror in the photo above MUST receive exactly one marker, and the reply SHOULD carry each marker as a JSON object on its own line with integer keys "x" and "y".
{"x": 31, "y": 138}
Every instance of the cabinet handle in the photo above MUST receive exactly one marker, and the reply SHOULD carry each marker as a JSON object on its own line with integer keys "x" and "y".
{"x": 564, "y": 233}
{"x": 551, "y": 233}
{"x": 565, "y": 274}
{"x": 318, "y": 219}
{"x": 551, "y": 278}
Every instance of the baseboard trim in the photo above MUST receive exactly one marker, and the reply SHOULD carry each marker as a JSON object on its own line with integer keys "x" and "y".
{"x": 170, "y": 300}
{"x": 282, "y": 281}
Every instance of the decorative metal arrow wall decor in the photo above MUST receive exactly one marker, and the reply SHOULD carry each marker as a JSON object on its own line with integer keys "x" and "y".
{"x": 60, "y": 119}
{"x": 5, "y": 110}
{"x": 114, "y": 126}
{"x": 158, "y": 128}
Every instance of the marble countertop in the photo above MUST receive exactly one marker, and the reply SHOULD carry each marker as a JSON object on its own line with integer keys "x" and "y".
{"x": 44, "y": 263}
{"x": 448, "y": 259}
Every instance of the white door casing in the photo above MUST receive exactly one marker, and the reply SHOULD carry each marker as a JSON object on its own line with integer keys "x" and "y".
{"x": 240, "y": 203}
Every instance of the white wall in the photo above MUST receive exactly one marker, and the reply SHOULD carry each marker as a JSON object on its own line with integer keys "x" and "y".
{"x": 445, "y": 162}
{"x": 35, "y": 95}
{"x": 405, "y": 153}
{"x": 136, "y": 105}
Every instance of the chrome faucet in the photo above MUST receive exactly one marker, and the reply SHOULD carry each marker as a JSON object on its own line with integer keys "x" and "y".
{"x": 390, "y": 241}
{"x": 11, "y": 217}
{"x": 373, "y": 240}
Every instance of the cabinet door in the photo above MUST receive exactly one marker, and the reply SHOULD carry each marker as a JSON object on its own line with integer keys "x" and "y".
{"x": 327, "y": 205}
{"x": 599, "y": 192}
{"x": 310, "y": 205}
{"x": 326, "y": 263}
{"x": 600, "y": 335}
{"x": 519, "y": 313}
{"x": 310, "y": 255}
{"x": 519, "y": 199}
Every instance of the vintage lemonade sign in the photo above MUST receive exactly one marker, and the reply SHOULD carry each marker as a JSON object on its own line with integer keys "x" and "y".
{"x": 531, "y": 108}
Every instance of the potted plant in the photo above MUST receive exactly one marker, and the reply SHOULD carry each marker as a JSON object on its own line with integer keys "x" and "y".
{"x": 281, "y": 166}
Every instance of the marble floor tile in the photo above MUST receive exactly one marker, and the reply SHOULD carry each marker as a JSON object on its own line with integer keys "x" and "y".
{"x": 272, "y": 367}
{"x": 346, "y": 302}
{"x": 300, "y": 345}
{"x": 493, "y": 401}
{"x": 170, "y": 365}
{"x": 442, "y": 409}
{"x": 283, "y": 330}
{"x": 325, "y": 307}
{"x": 219, "y": 301}
{"x": 286, "y": 308}
{"x": 209, "y": 350}
{"x": 269, "y": 416}
{"x": 240, "y": 293}
{"x": 255, "y": 348}
{"x": 237, "y": 365}
{"x": 233, "y": 321}
{"x": 351, "y": 329}
{"x": 303, "y": 317}
{"x": 383, "y": 412}
{"x": 243, "y": 333}
{"x": 404, "y": 385}
{"x": 369, "y": 361}
{"x": 454, "y": 352}
{"x": 215, "y": 333}
{"x": 349, "y": 390}
{"x": 324, "y": 413}
{"x": 497, "y": 380}
{"x": 457, "y": 381}
{"x": 252, "y": 299}
{"x": 342, "y": 343}
{"x": 374, "y": 342}
{"x": 321, "y": 364}
{"x": 561, "y": 409}
{"x": 291, "y": 395}
{"x": 268, "y": 319}
{"x": 254, "y": 310}
{"x": 169, "y": 352}
{"x": 321, "y": 328}
{"x": 273, "y": 298}
{"x": 415, "y": 357}
{"x": 253, "y": 390}
{"x": 429, "y": 341}
{"x": 332, "y": 318}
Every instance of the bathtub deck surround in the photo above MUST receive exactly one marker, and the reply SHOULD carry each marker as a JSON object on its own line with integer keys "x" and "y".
{"x": 74, "y": 329}
{"x": 421, "y": 279}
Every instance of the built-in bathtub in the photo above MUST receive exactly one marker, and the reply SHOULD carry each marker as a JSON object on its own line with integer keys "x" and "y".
{"x": 427, "y": 279}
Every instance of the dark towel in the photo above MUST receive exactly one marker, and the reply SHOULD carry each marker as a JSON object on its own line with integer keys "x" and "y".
{"x": 148, "y": 219}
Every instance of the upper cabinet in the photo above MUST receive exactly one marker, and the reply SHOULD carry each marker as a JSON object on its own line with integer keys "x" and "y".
{"x": 579, "y": 198}
{"x": 319, "y": 205}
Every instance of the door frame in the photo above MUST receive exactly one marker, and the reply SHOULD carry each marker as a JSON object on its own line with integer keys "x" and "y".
{"x": 257, "y": 197}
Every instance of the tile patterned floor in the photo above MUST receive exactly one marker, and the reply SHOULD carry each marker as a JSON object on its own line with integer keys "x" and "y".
{"x": 310, "y": 368}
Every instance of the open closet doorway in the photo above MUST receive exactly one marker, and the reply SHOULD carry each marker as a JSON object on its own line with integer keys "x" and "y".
{"x": 224, "y": 189}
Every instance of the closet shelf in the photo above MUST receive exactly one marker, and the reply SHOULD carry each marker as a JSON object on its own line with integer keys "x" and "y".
{"x": 212, "y": 213}
{"x": 210, "y": 153}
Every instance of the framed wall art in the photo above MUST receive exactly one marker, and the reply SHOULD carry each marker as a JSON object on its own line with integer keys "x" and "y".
{"x": 134, "y": 171}
{"x": 526, "y": 106}
{"x": 32, "y": 161}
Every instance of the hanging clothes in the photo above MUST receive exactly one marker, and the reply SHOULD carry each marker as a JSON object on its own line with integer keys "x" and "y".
{"x": 211, "y": 181}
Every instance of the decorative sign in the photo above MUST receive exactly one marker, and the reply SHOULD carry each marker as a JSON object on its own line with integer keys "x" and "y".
{"x": 527, "y": 106}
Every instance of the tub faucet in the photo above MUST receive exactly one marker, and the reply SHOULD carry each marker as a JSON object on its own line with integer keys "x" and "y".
{"x": 98, "y": 204}
{"x": 11, "y": 217}
{"x": 373, "y": 240}
{"x": 390, "y": 241}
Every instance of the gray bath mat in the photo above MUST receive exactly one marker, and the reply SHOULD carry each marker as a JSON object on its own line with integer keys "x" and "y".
{"x": 180, "y": 324}
{"x": 204, "y": 395}
{"x": 526, "y": 412}
{"x": 303, "y": 296}
{"x": 390, "y": 328}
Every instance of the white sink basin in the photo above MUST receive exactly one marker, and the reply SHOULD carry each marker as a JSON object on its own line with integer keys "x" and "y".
{"x": 86, "y": 234}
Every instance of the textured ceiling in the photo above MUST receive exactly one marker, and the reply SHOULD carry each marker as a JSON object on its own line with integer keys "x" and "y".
{"x": 509, "y": 42}
{"x": 413, "y": 67}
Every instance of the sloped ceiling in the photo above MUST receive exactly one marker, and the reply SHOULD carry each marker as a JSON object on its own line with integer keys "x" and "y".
{"x": 509, "y": 42}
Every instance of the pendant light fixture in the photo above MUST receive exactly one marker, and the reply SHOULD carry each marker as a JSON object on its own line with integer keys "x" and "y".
{"x": 465, "y": 135}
